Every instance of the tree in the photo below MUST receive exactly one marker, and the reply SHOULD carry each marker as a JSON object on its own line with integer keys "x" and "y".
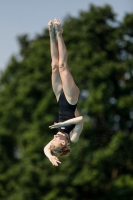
{"x": 100, "y": 167}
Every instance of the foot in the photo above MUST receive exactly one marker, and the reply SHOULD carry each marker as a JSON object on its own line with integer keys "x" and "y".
{"x": 51, "y": 28}
{"x": 58, "y": 27}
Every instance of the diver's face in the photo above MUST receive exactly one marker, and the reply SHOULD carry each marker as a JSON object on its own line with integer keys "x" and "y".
{"x": 59, "y": 138}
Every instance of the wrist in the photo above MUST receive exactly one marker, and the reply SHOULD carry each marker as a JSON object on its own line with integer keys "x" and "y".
{"x": 63, "y": 123}
{"x": 60, "y": 123}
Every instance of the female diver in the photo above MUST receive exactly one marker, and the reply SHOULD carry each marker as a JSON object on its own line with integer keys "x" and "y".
{"x": 70, "y": 123}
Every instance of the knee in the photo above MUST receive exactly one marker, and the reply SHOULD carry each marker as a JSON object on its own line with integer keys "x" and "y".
{"x": 55, "y": 66}
{"x": 62, "y": 65}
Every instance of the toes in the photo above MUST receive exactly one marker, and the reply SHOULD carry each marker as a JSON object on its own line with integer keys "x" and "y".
{"x": 57, "y": 26}
{"x": 56, "y": 21}
{"x": 50, "y": 26}
{"x": 50, "y": 22}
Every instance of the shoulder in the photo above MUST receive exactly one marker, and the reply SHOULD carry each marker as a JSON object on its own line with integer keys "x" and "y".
{"x": 76, "y": 113}
{"x": 48, "y": 145}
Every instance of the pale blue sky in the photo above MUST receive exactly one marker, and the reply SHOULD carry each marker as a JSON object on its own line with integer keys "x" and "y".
{"x": 31, "y": 17}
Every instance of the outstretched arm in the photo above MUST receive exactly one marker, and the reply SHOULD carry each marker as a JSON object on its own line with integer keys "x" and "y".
{"x": 53, "y": 159}
{"x": 76, "y": 120}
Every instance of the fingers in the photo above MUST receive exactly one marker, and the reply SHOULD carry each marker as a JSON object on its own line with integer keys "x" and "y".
{"x": 55, "y": 161}
{"x": 55, "y": 125}
{"x": 58, "y": 161}
{"x": 51, "y": 127}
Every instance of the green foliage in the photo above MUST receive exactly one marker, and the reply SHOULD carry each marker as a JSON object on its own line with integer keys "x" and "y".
{"x": 100, "y": 166}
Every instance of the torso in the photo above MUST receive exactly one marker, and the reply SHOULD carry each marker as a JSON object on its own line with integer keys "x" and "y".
{"x": 66, "y": 112}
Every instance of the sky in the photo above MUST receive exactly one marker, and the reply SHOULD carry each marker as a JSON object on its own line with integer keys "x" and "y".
{"x": 31, "y": 17}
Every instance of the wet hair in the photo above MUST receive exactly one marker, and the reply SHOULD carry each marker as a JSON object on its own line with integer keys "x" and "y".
{"x": 61, "y": 150}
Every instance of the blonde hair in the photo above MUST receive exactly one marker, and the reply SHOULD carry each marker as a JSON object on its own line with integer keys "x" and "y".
{"x": 61, "y": 150}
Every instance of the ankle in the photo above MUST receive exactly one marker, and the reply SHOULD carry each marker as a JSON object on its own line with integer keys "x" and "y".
{"x": 51, "y": 34}
{"x": 58, "y": 33}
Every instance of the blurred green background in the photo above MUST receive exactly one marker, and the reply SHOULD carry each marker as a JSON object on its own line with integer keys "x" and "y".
{"x": 101, "y": 164}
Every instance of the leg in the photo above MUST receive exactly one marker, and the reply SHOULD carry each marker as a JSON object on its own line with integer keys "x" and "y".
{"x": 56, "y": 80}
{"x": 70, "y": 89}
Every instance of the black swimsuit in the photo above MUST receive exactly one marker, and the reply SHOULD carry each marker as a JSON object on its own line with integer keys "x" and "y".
{"x": 66, "y": 112}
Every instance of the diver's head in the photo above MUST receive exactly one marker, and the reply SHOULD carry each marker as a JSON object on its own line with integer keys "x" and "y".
{"x": 60, "y": 145}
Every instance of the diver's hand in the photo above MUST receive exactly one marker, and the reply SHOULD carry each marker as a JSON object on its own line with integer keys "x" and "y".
{"x": 54, "y": 160}
{"x": 56, "y": 125}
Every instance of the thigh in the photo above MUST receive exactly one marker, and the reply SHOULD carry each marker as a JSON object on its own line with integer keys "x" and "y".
{"x": 69, "y": 87}
{"x": 56, "y": 83}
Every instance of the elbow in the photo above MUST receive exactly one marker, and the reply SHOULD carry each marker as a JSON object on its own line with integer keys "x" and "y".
{"x": 81, "y": 118}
